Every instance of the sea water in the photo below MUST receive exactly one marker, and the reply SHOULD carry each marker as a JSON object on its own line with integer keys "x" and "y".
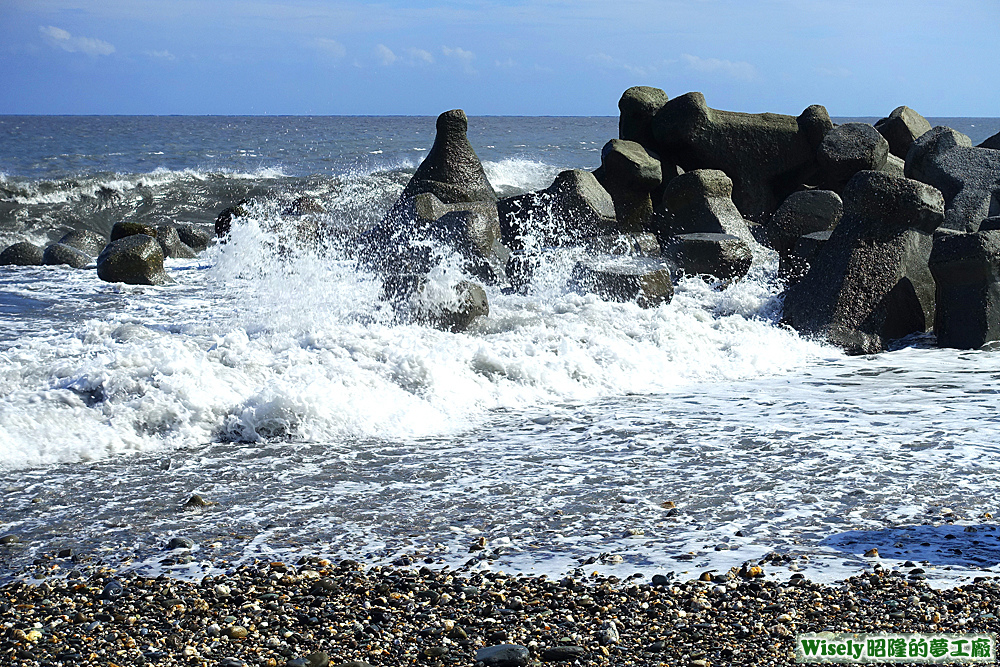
{"x": 561, "y": 433}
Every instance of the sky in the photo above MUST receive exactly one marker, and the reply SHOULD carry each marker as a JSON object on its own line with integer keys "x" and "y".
{"x": 521, "y": 57}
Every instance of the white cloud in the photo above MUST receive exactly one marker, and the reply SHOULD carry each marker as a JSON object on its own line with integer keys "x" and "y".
{"x": 330, "y": 46}
{"x": 409, "y": 56}
{"x": 420, "y": 57}
{"x": 506, "y": 64}
{"x": 604, "y": 60}
{"x": 61, "y": 39}
{"x": 736, "y": 70}
{"x": 161, "y": 55}
{"x": 385, "y": 54}
{"x": 461, "y": 55}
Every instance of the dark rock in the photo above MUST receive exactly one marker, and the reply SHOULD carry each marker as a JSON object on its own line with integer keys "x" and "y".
{"x": 224, "y": 221}
{"x": 870, "y": 283}
{"x": 475, "y": 234}
{"x": 969, "y": 178}
{"x": 448, "y": 200}
{"x": 563, "y": 653}
{"x": 992, "y": 143}
{"x": 804, "y": 212}
{"x": 131, "y": 228}
{"x": 112, "y": 591}
{"x": 194, "y": 236}
{"x": 642, "y": 245}
{"x": 293, "y": 235}
{"x": 723, "y": 256}
{"x": 848, "y": 149}
{"x": 318, "y": 659}
{"x": 521, "y": 264}
{"x": 59, "y": 254}
{"x": 451, "y": 171}
{"x": 576, "y": 206}
{"x": 630, "y": 175}
{"x": 450, "y": 308}
{"x": 436, "y": 651}
{"x": 85, "y": 240}
{"x": 901, "y": 128}
{"x": 472, "y": 229}
{"x": 180, "y": 543}
{"x": 894, "y": 166}
{"x": 304, "y": 205}
{"x": 503, "y": 655}
{"x": 135, "y": 260}
{"x": 766, "y": 155}
{"x": 966, "y": 268}
{"x": 197, "y": 501}
{"x": 389, "y": 252}
{"x": 170, "y": 242}
{"x": 521, "y": 267}
{"x": 700, "y": 201}
{"x": 796, "y": 262}
{"x": 641, "y": 279}
{"x": 23, "y": 253}
{"x": 990, "y": 223}
{"x": 638, "y": 105}
{"x": 10, "y": 539}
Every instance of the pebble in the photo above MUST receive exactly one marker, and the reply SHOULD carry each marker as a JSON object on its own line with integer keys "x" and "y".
{"x": 563, "y": 653}
{"x": 179, "y": 543}
{"x": 197, "y": 501}
{"x": 277, "y": 614}
{"x": 608, "y": 633}
{"x": 504, "y": 655}
{"x": 112, "y": 591}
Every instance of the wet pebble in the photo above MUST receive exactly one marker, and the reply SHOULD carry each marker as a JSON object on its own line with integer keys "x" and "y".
{"x": 563, "y": 653}
{"x": 503, "y": 655}
{"x": 179, "y": 543}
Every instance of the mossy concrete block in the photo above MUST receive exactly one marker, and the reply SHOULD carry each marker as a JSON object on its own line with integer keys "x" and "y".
{"x": 136, "y": 260}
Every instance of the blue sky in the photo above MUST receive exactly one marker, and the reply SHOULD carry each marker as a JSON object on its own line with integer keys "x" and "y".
{"x": 524, "y": 57}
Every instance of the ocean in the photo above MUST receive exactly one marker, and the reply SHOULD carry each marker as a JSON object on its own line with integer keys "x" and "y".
{"x": 561, "y": 432}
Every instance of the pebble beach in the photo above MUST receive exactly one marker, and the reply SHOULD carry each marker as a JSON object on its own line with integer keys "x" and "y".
{"x": 316, "y": 613}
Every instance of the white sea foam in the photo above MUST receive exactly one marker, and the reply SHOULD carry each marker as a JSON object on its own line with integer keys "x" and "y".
{"x": 520, "y": 174}
{"x": 260, "y": 345}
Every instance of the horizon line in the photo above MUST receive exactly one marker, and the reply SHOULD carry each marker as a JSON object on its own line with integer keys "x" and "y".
{"x": 349, "y": 115}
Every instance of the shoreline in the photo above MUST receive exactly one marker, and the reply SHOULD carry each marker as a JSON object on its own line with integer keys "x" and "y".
{"x": 316, "y": 612}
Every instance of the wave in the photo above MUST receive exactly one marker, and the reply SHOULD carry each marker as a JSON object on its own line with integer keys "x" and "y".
{"x": 105, "y": 186}
{"x": 255, "y": 345}
{"x": 516, "y": 175}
